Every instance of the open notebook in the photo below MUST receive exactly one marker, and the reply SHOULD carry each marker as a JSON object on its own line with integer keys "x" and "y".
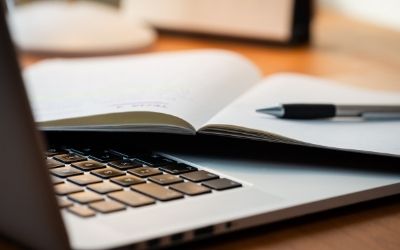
{"x": 206, "y": 91}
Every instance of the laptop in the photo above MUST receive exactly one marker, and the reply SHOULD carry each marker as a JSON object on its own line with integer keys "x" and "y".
{"x": 77, "y": 195}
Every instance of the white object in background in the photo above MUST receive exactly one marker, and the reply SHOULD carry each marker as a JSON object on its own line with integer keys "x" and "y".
{"x": 77, "y": 28}
{"x": 256, "y": 19}
{"x": 384, "y": 13}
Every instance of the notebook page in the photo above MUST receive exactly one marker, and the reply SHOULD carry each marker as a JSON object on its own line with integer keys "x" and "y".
{"x": 353, "y": 134}
{"x": 191, "y": 85}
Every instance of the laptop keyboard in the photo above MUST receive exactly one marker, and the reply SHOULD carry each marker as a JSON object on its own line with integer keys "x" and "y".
{"x": 88, "y": 181}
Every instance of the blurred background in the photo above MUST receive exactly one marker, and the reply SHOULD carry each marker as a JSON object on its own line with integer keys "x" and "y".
{"x": 267, "y": 20}
{"x": 380, "y": 12}
{"x": 337, "y": 39}
{"x": 385, "y": 13}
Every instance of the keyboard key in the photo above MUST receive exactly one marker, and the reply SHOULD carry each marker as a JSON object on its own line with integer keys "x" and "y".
{"x": 190, "y": 188}
{"x": 125, "y": 164}
{"x": 69, "y": 158}
{"x": 107, "y": 172}
{"x": 84, "y": 179}
{"x": 118, "y": 153}
{"x": 66, "y": 188}
{"x": 104, "y": 187}
{"x": 107, "y": 206}
{"x": 85, "y": 197}
{"x": 131, "y": 198}
{"x": 127, "y": 180}
{"x": 179, "y": 168}
{"x": 81, "y": 211}
{"x": 62, "y": 203}
{"x": 51, "y": 163}
{"x": 165, "y": 179}
{"x": 144, "y": 171}
{"x": 154, "y": 160}
{"x": 156, "y": 191}
{"x": 56, "y": 180}
{"x": 54, "y": 151}
{"x": 82, "y": 150}
{"x": 88, "y": 165}
{"x": 200, "y": 175}
{"x": 221, "y": 184}
{"x": 104, "y": 156}
{"x": 65, "y": 171}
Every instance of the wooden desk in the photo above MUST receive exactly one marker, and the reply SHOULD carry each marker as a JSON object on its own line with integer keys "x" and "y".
{"x": 342, "y": 49}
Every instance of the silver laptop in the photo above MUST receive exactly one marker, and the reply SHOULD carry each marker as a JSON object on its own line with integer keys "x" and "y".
{"x": 116, "y": 197}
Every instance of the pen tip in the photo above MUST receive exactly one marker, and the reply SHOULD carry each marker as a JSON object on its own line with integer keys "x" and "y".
{"x": 275, "y": 111}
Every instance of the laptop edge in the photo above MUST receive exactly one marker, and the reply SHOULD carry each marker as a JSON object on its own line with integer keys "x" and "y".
{"x": 26, "y": 191}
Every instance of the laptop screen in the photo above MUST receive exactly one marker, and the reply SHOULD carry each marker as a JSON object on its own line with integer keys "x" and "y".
{"x": 26, "y": 193}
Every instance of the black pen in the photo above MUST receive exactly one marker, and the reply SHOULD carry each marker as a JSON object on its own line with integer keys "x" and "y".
{"x": 320, "y": 111}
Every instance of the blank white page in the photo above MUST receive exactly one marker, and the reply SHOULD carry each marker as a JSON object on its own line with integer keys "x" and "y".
{"x": 354, "y": 134}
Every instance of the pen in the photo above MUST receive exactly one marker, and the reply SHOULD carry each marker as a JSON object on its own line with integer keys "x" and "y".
{"x": 320, "y": 111}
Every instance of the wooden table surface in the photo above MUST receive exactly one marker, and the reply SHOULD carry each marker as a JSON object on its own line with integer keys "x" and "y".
{"x": 343, "y": 49}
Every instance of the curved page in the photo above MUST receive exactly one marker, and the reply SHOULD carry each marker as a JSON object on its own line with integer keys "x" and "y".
{"x": 192, "y": 86}
{"x": 355, "y": 134}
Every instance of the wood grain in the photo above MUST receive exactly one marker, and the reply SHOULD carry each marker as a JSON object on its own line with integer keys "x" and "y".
{"x": 342, "y": 49}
